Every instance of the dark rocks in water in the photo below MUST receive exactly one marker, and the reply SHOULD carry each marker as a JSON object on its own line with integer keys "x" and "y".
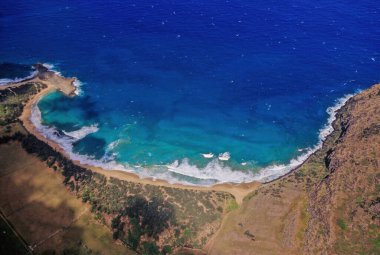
{"x": 12, "y": 70}
{"x": 40, "y": 68}
{"x": 43, "y": 72}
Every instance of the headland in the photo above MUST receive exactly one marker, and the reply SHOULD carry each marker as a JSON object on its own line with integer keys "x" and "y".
{"x": 312, "y": 209}
{"x": 54, "y": 81}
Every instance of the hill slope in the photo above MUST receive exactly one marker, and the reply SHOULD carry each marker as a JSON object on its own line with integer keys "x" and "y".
{"x": 330, "y": 205}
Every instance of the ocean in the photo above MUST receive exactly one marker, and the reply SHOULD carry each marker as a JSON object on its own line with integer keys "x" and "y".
{"x": 165, "y": 85}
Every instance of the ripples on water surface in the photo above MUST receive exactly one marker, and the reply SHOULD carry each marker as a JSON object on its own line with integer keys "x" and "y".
{"x": 164, "y": 82}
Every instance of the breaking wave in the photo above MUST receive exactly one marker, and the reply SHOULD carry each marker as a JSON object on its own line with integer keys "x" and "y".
{"x": 83, "y": 132}
{"x": 66, "y": 140}
{"x": 214, "y": 170}
{"x": 52, "y": 67}
{"x": 77, "y": 83}
{"x": 6, "y": 81}
{"x": 78, "y": 87}
{"x": 222, "y": 174}
{"x": 181, "y": 171}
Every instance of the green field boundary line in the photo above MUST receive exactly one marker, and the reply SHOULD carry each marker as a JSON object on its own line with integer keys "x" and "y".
{"x": 16, "y": 233}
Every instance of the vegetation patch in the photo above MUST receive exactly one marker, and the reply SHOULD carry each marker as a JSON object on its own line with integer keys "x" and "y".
{"x": 232, "y": 205}
{"x": 341, "y": 223}
{"x": 12, "y": 101}
{"x": 149, "y": 219}
{"x": 251, "y": 195}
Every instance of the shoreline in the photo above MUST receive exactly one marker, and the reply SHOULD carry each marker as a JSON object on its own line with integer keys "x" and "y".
{"x": 239, "y": 190}
{"x": 54, "y": 81}
{"x": 323, "y": 137}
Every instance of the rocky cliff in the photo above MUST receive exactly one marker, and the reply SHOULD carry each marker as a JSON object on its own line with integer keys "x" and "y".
{"x": 330, "y": 205}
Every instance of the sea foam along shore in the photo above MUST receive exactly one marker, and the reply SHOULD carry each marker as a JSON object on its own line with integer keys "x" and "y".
{"x": 51, "y": 67}
{"x": 65, "y": 140}
{"x": 215, "y": 172}
{"x": 273, "y": 172}
{"x": 77, "y": 83}
{"x": 6, "y": 81}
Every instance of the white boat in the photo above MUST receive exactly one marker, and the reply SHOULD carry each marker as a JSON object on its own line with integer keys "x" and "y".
{"x": 208, "y": 155}
{"x": 224, "y": 156}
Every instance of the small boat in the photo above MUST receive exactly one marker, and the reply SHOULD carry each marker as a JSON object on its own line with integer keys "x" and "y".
{"x": 224, "y": 156}
{"x": 244, "y": 163}
{"x": 208, "y": 155}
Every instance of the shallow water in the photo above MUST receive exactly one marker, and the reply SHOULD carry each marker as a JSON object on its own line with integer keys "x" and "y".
{"x": 165, "y": 82}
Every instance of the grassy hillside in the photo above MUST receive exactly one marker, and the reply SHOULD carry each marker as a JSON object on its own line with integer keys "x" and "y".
{"x": 70, "y": 199}
{"x": 330, "y": 205}
{"x": 44, "y": 212}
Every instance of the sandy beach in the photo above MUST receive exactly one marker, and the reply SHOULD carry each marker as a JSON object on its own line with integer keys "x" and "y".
{"x": 54, "y": 81}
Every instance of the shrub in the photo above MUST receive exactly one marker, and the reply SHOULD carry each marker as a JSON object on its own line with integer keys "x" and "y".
{"x": 232, "y": 205}
{"x": 167, "y": 249}
{"x": 150, "y": 248}
{"x": 341, "y": 224}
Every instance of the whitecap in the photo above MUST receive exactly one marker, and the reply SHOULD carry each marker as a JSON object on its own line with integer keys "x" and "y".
{"x": 82, "y": 132}
{"x": 6, "y": 81}
{"x": 52, "y": 67}
{"x": 114, "y": 144}
{"x": 214, "y": 172}
{"x": 78, "y": 87}
{"x": 65, "y": 140}
{"x": 275, "y": 171}
{"x": 77, "y": 83}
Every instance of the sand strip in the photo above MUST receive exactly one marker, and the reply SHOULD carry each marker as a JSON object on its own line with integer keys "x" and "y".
{"x": 54, "y": 81}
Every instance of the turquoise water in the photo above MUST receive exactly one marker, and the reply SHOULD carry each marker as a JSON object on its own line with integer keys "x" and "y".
{"x": 165, "y": 82}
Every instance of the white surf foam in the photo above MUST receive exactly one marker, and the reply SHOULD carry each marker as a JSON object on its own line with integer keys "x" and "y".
{"x": 272, "y": 172}
{"x": 77, "y": 83}
{"x": 6, "y": 81}
{"x": 52, "y": 67}
{"x": 82, "y": 132}
{"x": 214, "y": 172}
{"x": 78, "y": 87}
{"x": 66, "y": 140}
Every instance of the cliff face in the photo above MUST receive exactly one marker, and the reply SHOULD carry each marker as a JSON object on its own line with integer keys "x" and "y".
{"x": 330, "y": 205}
{"x": 345, "y": 206}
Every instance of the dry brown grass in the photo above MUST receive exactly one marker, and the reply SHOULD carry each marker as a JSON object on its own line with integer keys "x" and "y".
{"x": 270, "y": 219}
{"x": 34, "y": 199}
{"x": 330, "y": 205}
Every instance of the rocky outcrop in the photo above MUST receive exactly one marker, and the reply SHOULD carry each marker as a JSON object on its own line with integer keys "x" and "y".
{"x": 344, "y": 205}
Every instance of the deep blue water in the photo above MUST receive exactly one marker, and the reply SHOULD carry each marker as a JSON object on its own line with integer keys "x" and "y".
{"x": 169, "y": 80}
